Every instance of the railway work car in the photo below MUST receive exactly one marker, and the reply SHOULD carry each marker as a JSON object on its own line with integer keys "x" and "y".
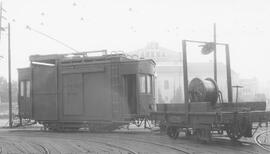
{"x": 71, "y": 91}
{"x": 204, "y": 114}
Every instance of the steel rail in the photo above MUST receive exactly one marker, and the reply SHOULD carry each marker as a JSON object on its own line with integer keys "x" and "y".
{"x": 45, "y": 150}
{"x": 121, "y": 146}
{"x": 130, "y": 151}
{"x": 114, "y": 145}
{"x": 160, "y": 144}
{"x": 256, "y": 139}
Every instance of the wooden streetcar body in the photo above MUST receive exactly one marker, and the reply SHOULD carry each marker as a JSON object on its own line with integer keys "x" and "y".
{"x": 96, "y": 92}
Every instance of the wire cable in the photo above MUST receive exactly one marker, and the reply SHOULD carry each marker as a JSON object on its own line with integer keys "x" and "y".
{"x": 50, "y": 37}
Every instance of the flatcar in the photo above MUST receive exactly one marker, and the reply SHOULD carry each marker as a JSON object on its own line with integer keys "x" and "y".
{"x": 86, "y": 90}
{"x": 204, "y": 114}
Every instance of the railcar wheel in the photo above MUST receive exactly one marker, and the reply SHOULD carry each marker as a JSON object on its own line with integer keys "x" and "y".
{"x": 188, "y": 133}
{"x": 198, "y": 134}
{"x": 234, "y": 133}
{"x": 203, "y": 135}
{"x": 220, "y": 132}
{"x": 234, "y": 136}
{"x": 93, "y": 129}
{"x": 172, "y": 132}
{"x": 162, "y": 127}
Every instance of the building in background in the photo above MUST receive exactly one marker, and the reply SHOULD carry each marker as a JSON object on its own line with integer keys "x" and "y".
{"x": 169, "y": 72}
{"x": 250, "y": 90}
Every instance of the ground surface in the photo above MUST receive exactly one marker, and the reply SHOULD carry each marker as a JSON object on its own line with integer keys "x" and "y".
{"x": 124, "y": 141}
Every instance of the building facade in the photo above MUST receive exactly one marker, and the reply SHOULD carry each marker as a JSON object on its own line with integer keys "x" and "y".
{"x": 169, "y": 72}
{"x": 168, "y": 67}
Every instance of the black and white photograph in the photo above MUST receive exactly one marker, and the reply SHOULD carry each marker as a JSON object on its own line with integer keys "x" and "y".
{"x": 134, "y": 77}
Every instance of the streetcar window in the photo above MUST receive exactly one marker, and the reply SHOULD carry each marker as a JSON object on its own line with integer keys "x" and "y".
{"x": 27, "y": 88}
{"x": 145, "y": 84}
{"x": 149, "y": 84}
{"x": 21, "y": 88}
{"x": 142, "y": 84}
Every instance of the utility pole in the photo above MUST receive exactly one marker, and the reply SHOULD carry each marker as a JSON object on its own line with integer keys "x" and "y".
{"x": 215, "y": 54}
{"x": 9, "y": 79}
{"x": 9, "y": 63}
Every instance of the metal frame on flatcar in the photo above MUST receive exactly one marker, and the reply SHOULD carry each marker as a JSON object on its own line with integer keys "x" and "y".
{"x": 203, "y": 119}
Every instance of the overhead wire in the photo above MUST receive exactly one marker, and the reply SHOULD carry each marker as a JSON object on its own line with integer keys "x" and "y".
{"x": 44, "y": 34}
{"x": 50, "y": 37}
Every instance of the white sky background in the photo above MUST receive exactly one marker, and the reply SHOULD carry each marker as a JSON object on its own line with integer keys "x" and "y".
{"x": 129, "y": 25}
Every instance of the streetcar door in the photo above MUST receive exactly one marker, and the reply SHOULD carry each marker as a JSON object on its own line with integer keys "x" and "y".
{"x": 44, "y": 84}
{"x": 130, "y": 93}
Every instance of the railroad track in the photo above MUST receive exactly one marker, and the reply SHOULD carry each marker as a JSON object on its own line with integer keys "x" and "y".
{"x": 125, "y": 148}
{"x": 129, "y": 144}
{"x": 255, "y": 142}
{"x": 265, "y": 146}
{"x": 219, "y": 143}
{"x": 20, "y": 147}
{"x": 43, "y": 149}
{"x": 166, "y": 146}
{"x": 128, "y": 150}
{"x": 182, "y": 149}
{"x": 108, "y": 141}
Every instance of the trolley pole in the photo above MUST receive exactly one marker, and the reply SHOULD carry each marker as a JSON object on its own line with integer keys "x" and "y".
{"x": 215, "y": 54}
{"x": 9, "y": 79}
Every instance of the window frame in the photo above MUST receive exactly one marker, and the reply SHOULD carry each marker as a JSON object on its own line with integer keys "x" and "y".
{"x": 28, "y": 89}
{"x": 22, "y": 89}
{"x": 147, "y": 85}
{"x": 142, "y": 83}
{"x": 25, "y": 88}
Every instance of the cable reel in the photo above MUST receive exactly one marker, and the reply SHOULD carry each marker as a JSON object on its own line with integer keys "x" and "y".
{"x": 203, "y": 90}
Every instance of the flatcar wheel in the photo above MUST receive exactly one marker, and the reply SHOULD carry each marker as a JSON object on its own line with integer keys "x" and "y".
{"x": 175, "y": 134}
{"x": 203, "y": 135}
{"x": 188, "y": 133}
{"x": 220, "y": 132}
{"x": 92, "y": 129}
{"x": 162, "y": 127}
{"x": 233, "y": 134}
{"x": 234, "y": 137}
{"x": 198, "y": 134}
{"x": 169, "y": 131}
{"x": 172, "y": 132}
{"x": 207, "y": 135}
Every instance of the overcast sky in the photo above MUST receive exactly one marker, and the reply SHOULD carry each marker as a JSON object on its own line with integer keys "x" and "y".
{"x": 129, "y": 25}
